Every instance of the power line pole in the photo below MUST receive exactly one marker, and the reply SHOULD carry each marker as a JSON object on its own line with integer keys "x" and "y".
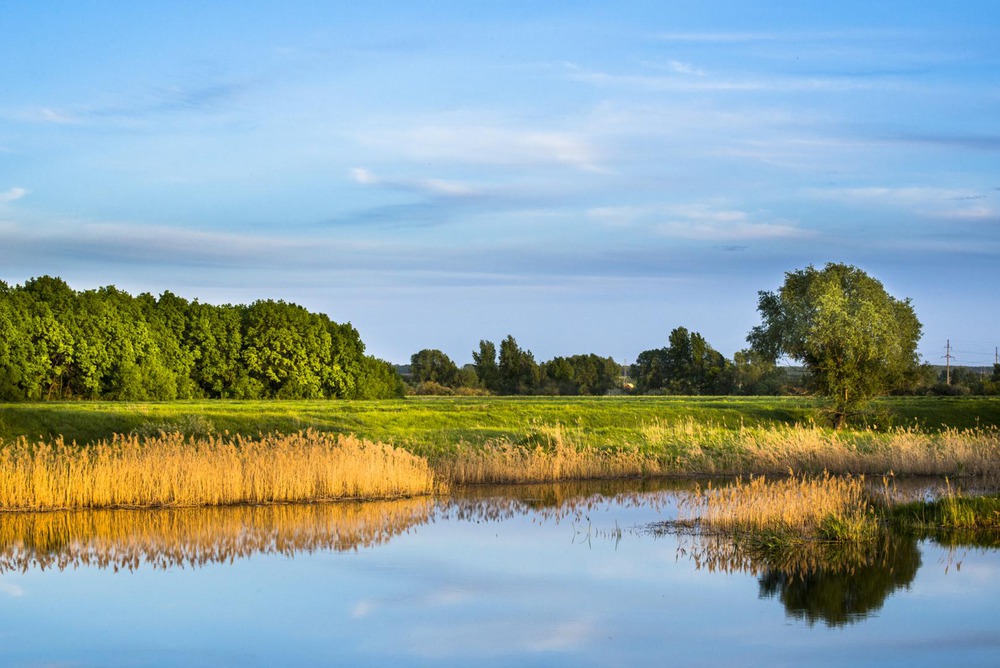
{"x": 947, "y": 362}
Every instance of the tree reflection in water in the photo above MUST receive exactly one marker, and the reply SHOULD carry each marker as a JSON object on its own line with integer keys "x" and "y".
{"x": 836, "y": 583}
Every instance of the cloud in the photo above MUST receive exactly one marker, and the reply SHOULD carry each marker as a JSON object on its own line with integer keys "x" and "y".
{"x": 487, "y": 145}
{"x": 685, "y": 68}
{"x": 47, "y": 115}
{"x": 926, "y": 202}
{"x": 12, "y": 195}
{"x": 432, "y": 187}
{"x": 704, "y": 83}
{"x": 168, "y": 99}
{"x": 724, "y": 231}
{"x": 697, "y": 221}
{"x": 12, "y": 590}
{"x": 149, "y": 245}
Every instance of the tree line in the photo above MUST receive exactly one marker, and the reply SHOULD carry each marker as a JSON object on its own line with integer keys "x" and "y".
{"x": 852, "y": 340}
{"x": 59, "y": 343}
{"x": 687, "y": 365}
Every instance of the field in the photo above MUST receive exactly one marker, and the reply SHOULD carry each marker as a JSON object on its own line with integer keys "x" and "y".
{"x": 466, "y": 441}
{"x": 435, "y": 425}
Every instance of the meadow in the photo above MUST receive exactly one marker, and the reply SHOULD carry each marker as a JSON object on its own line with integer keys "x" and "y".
{"x": 454, "y": 441}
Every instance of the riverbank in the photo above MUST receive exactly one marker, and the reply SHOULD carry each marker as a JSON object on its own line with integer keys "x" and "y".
{"x": 171, "y": 469}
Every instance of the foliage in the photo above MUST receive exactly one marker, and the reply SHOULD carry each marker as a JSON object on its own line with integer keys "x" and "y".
{"x": 856, "y": 341}
{"x": 688, "y": 365}
{"x": 433, "y": 366}
{"x": 57, "y": 343}
{"x": 517, "y": 371}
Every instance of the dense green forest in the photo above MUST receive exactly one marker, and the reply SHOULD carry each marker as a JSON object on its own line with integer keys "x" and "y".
{"x": 58, "y": 343}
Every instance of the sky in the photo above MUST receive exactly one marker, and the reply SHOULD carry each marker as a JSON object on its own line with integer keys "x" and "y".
{"x": 585, "y": 176}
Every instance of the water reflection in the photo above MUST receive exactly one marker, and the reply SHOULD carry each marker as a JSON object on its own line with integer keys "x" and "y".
{"x": 558, "y": 501}
{"x": 126, "y": 539}
{"x": 190, "y": 537}
{"x": 846, "y": 589}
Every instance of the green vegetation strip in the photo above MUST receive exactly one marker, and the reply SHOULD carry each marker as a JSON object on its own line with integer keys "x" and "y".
{"x": 437, "y": 424}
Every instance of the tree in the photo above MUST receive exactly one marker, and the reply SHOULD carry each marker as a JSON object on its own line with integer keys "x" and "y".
{"x": 856, "y": 341}
{"x": 687, "y": 366}
{"x": 432, "y": 365}
{"x": 485, "y": 364}
{"x": 517, "y": 369}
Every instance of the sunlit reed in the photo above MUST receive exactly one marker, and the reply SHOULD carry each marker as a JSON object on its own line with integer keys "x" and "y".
{"x": 169, "y": 470}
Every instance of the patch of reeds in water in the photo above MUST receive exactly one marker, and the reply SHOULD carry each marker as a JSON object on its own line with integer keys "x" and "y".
{"x": 827, "y": 506}
{"x": 192, "y": 537}
{"x": 169, "y": 470}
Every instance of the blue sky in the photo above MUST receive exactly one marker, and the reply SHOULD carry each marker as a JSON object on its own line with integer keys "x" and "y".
{"x": 584, "y": 176}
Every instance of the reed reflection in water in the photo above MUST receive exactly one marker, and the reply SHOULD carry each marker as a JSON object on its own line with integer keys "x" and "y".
{"x": 190, "y": 537}
{"x": 167, "y": 538}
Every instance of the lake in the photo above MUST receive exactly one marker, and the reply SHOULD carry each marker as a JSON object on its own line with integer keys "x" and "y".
{"x": 545, "y": 575}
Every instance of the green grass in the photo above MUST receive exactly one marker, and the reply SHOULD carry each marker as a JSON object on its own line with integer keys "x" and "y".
{"x": 435, "y": 425}
{"x": 428, "y": 423}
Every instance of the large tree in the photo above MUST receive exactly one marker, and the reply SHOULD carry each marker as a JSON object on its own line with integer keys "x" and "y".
{"x": 856, "y": 341}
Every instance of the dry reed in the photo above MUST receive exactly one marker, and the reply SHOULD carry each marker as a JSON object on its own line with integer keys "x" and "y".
{"x": 802, "y": 505}
{"x": 169, "y": 470}
{"x": 558, "y": 459}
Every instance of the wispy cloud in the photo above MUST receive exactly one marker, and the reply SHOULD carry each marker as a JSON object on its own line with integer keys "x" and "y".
{"x": 925, "y": 202}
{"x": 697, "y": 221}
{"x": 12, "y": 590}
{"x": 735, "y": 36}
{"x": 432, "y": 187}
{"x": 157, "y": 101}
{"x": 721, "y": 83}
{"x": 489, "y": 145}
{"x": 12, "y": 195}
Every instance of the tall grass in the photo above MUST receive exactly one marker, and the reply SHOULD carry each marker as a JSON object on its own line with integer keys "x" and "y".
{"x": 806, "y": 506}
{"x": 558, "y": 452}
{"x": 692, "y": 446}
{"x": 169, "y": 470}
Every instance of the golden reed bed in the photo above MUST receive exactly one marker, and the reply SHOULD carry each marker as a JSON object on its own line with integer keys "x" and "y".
{"x": 169, "y": 470}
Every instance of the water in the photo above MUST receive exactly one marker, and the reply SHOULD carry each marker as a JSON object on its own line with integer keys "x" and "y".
{"x": 548, "y": 575}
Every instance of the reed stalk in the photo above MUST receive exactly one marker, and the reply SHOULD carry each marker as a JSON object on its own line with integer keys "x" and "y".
{"x": 169, "y": 470}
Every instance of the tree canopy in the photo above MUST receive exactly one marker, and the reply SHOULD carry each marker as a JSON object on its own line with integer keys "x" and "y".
{"x": 856, "y": 341}
{"x": 58, "y": 343}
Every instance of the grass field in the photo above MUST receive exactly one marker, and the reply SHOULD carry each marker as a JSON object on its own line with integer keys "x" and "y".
{"x": 433, "y": 425}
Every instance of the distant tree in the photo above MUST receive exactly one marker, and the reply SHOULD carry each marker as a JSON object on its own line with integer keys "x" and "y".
{"x": 378, "y": 380}
{"x": 688, "y": 365}
{"x": 485, "y": 364}
{"x": 580, "y": 374}
{"x": 432, "y": 365}
{"x": 518, "y": 372}
{"x": 755, "y": 375}
{"x": 856, "y": 341}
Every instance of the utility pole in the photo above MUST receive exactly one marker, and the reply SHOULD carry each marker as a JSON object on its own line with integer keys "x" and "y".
{"x": 947, "y": 362}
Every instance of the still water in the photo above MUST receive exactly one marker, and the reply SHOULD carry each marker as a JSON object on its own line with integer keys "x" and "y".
{"x": 548, "y": 575}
